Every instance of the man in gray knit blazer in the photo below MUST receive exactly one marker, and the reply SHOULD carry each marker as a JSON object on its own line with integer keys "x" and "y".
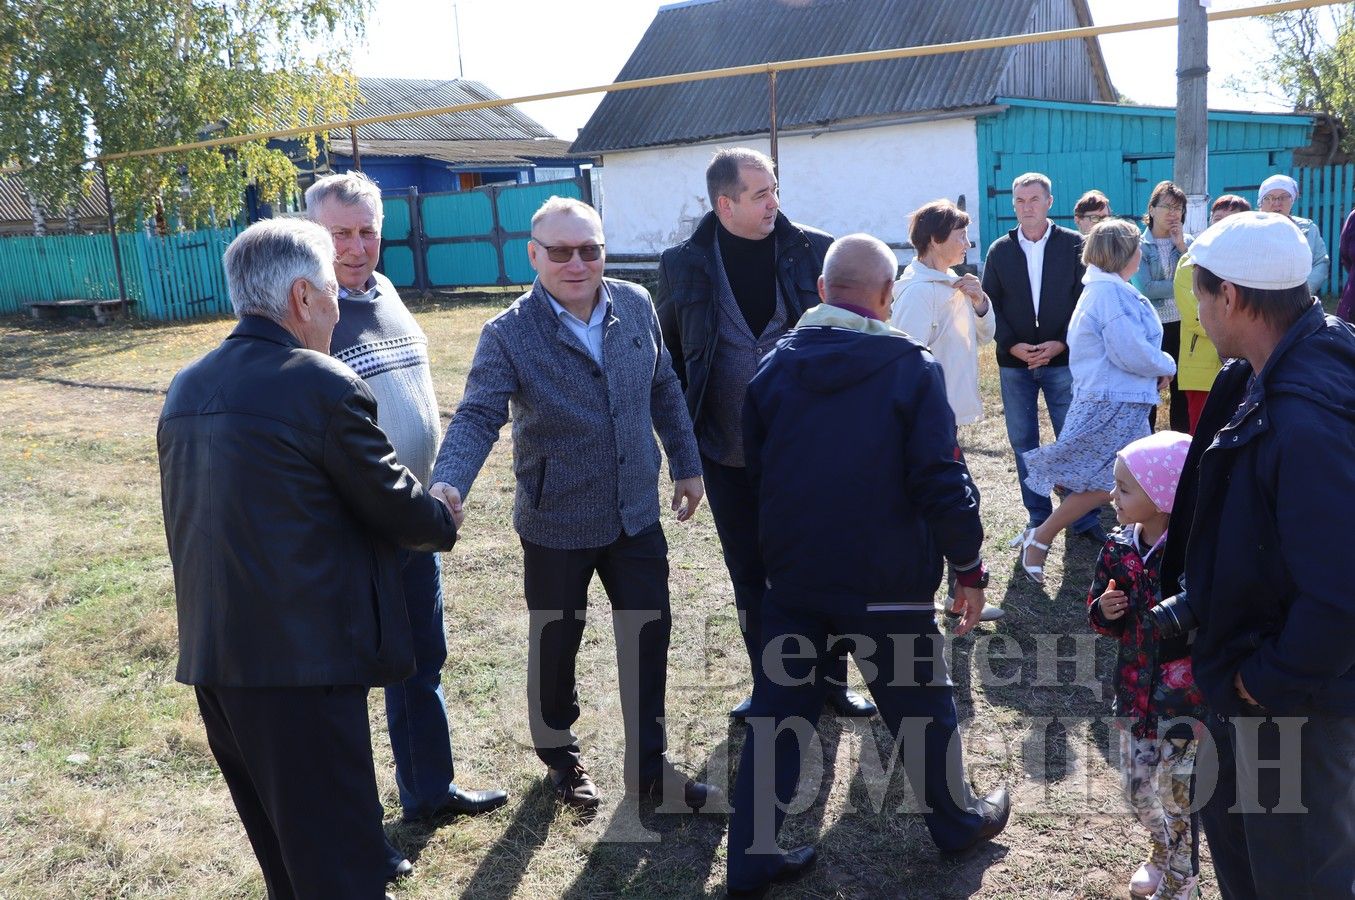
{"x": 580, "y": 363}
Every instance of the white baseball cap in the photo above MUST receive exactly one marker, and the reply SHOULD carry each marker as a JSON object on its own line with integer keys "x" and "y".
{"x": 1258, "y": 250}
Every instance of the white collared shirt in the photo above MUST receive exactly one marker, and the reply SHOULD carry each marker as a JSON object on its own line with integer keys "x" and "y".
{"x": 589, "y": 333}
{"x": 1034, "y": 251}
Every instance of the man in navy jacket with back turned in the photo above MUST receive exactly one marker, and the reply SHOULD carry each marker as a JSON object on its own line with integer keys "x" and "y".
{"x": 862, "y": 494}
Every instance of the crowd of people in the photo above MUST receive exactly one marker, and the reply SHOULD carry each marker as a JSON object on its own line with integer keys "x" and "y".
{"x": 776, "y": 363}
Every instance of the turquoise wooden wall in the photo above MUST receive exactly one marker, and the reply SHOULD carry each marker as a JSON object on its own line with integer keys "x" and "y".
{"x": 1121, "y": 150}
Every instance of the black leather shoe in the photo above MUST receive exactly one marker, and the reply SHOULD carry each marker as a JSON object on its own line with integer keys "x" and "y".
{"x": 996, "y": 809}
{"x": 1095, "y": 535}
{"x": 403, "y": 869}
{"x": 849, "y": 703}
{"x": 741, "y": 711}
{"x": 695, "y": 794}
{"x": 794, "y": 863}
{"x": 462, "y": 803}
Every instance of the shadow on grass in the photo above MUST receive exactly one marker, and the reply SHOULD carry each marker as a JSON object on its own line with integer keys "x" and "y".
{"x": 30, "y": 346}
{"x": 505, "y": 863}
{"x": 1047, "y": 683}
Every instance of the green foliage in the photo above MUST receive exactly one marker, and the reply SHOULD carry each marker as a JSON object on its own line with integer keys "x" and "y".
{"x": 1313, "y": 65}
{"x": 87, "y": 77}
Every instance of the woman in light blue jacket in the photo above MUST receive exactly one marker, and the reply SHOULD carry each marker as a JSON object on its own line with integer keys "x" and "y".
{"x": 1118, "y": 366}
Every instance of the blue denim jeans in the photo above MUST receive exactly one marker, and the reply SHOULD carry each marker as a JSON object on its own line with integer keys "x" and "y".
{"x": 416, "y": 713}
{"x": 1020, "y": 395}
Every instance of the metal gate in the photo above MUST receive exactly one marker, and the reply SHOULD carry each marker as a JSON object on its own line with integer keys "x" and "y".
{"x": 475, "y": 238}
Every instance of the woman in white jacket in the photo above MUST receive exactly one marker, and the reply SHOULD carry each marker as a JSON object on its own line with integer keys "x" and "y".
{"x": 947, "y": 312}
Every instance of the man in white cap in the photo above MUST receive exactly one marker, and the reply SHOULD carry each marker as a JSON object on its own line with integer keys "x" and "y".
{"x": 1277, "y": 195}
{"x": 1260, "y": 529}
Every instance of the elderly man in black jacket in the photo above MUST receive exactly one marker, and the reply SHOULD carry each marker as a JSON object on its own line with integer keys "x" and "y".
{"x": 284, "y": 508}
{"x": 858, "y": 564}
{"x": 1261, "y": 531}
{"x": 725, "y": 296}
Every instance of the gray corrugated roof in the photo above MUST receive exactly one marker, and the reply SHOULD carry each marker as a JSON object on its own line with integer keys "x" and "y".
{"x": 720, "y": 33}
{"x": 14, "y": 203}
{"x": 381, "y": 96}
{"x": 511, "y": 153}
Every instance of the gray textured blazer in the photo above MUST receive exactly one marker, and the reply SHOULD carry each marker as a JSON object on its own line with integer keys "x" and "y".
{"x": 584, "y": 454}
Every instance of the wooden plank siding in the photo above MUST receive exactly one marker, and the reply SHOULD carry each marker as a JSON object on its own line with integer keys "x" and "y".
{"x": 1122, "y": 151}
{"x": 1057, "y": 70}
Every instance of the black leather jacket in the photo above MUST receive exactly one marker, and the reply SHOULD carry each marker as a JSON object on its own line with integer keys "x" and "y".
{"x": 686, "y": 301}
{"x": 284, "y": 504}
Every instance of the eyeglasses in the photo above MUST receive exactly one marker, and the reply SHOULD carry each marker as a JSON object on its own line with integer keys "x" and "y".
{"x": 1169, "y": 207}
{"x": 563, "y": 254}
{"x": 1094, "y": 218}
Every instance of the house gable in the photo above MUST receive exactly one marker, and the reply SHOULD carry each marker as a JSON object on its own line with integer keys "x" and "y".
{"x": 716, "y": 34}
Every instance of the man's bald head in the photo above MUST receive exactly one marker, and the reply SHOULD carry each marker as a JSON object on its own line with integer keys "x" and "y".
{"x": 859, "y": 270}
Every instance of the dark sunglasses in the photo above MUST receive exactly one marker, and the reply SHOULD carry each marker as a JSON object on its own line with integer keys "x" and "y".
{"x": 563, "y": 254}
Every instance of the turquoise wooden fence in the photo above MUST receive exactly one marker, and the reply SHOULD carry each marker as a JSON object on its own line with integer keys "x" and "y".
{"x": 465, "y": 238}
{"x": 1326, "y": 195}
{"x": 171, "y": 278}
{"x": 62, "y": 267}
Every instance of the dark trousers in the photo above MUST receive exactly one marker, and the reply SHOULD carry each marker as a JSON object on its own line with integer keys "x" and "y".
{"x": 634, "y": 572}
{"x": 416, "y": 712}
{"x": 899, "y": 653}
{"x": 733, "y": 505}
{"x": 1179, "y": 419}
{"x": 1286, "y": 832}
{"x": 298, "y": 762}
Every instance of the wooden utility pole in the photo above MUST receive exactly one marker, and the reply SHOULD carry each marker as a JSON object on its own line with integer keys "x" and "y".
{"x": 1192, "y": 112}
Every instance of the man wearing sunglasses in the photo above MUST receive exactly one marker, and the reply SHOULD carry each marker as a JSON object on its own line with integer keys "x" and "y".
{"x": 580, "y": 364}
{"x": 726, "y": 295}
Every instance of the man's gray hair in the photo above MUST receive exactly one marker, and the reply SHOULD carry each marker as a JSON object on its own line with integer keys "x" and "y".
{"x": 859, "y": 261}
{"x": 568, "y": 205}
{"x": 266, "y": 259}
{"x": 1030, "y": 178}
{"x": 722, "y": 175}
{"x": 349, "y": 189}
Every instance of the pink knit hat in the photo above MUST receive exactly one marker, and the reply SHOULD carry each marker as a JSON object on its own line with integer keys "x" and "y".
{"x": 1156, "y": 462}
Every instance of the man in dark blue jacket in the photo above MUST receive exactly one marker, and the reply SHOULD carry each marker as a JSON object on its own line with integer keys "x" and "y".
{"x": 862, "y": 494}
{"x": 1265, "y": 527}
{"x": 725, "y": 296}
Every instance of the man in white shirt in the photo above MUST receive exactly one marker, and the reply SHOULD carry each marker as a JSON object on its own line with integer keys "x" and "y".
{"x": 1033, "y": 277}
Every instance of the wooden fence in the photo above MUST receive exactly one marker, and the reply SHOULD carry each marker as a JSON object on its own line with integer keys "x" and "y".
{"x": 170, "y": 278}
{"x": 179, "y": 276}
{"x": 1326, "y": 195}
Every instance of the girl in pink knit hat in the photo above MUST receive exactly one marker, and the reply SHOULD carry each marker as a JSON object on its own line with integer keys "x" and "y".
{"x": 1153, "y": 679}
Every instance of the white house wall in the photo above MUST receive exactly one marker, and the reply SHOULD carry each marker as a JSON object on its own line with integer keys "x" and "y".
{"x": 867, "y": 179}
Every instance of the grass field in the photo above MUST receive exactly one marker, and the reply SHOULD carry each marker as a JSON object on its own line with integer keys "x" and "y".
{"x": 107, "y": 788}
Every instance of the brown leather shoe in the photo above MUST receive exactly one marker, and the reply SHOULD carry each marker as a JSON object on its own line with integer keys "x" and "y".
{"x": 574, "y": 788}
